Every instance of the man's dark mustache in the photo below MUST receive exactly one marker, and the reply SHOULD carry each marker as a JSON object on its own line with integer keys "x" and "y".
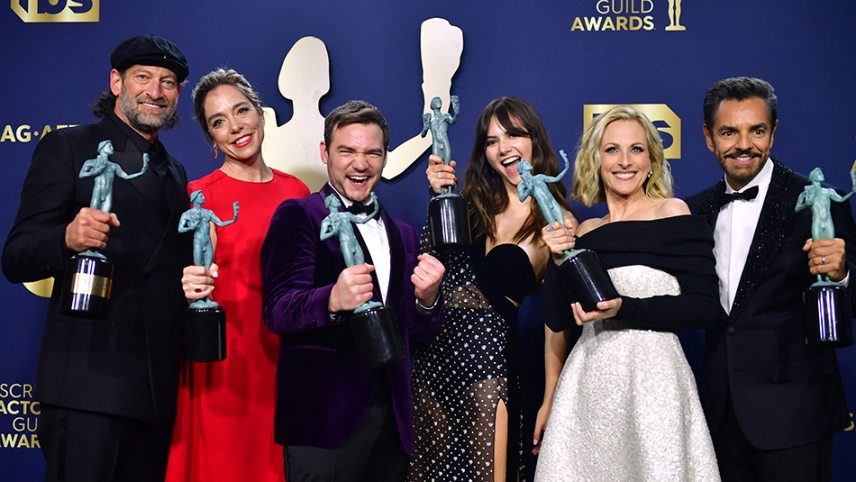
{"x": 148, "y": 100}
{"x": 743, "y": 152}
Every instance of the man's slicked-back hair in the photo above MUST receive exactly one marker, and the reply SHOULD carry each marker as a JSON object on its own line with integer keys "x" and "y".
{"x": 739, "y": 88}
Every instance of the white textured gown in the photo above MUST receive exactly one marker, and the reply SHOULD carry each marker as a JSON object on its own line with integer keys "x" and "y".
{"x": 626, "y": 407}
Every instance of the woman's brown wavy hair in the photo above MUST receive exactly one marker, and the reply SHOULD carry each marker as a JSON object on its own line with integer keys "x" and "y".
{"x": 483, "y": 186}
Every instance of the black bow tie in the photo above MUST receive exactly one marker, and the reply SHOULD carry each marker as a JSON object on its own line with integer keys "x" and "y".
{"x": 747, "y": 195}
{"x": 359, "y": 208}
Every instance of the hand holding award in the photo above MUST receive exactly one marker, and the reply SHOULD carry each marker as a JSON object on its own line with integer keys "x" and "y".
{"x": 448, "y": 221}
{"x": 88, "y": 276}
{"x": 372, "y": 325}
{"x": 827, "y": 308}
{"x": 586, "y": 279}
{"x": 205, "y": 326}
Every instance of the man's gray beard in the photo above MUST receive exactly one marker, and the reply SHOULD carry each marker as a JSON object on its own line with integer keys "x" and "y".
{"x": 128, "y": 104}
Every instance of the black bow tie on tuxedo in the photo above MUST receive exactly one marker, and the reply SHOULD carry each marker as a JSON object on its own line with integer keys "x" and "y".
{"x": 747, "y": 195}
{"x": 366, "y": 209}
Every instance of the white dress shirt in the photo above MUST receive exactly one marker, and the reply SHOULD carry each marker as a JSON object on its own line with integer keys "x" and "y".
{"x": 735, "y": 228}
{"x": 377, "y": 242}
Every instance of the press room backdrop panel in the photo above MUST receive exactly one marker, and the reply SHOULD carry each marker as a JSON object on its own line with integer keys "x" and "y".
{"x": 565, "y": 57}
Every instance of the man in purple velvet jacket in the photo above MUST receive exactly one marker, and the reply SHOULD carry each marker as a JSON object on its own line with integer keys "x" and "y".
{"x": 337, "y": 420}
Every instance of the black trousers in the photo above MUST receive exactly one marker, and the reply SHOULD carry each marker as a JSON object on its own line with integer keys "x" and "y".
{"x": 372, "y": 453}
{"x": 740, "y": 461}
{"x": 81, "y": 446}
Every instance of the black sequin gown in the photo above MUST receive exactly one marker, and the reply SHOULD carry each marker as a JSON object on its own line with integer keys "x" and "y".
{"x": 460, "y": 378}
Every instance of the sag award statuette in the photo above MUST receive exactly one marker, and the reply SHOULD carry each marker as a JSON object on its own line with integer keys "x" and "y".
{"x": 448, "y": 222}
{"x": 372, "y": 325}
{"x": 827, "y": 308}
{"x": 585, "y": 278}
{"x": 88, "y": 277}
{"x": 205, "y": 321}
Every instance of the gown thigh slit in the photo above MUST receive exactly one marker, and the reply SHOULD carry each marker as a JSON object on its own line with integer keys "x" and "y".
{"x": 468, "y": 368}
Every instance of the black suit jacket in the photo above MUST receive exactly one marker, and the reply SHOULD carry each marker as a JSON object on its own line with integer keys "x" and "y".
{"x": 784, "y": 394}
{"x": 126, "y": 363}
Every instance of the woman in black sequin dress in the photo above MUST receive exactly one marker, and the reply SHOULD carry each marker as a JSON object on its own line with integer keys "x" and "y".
{"x": 466, "y": 388}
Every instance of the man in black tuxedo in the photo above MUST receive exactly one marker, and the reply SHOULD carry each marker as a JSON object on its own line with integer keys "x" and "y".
{"x": 772, "y": 403}
{"x": 107, "y": 387}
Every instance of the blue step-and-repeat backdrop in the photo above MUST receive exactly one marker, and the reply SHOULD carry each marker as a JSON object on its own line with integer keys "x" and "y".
{"x": 568, "y": 58}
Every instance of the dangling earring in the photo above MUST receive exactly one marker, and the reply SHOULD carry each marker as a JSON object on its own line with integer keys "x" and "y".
{"x": 217, "y": 153}
{"x": 649, "y": 173}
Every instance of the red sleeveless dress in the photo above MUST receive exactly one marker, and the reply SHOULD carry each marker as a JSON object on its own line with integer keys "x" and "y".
{"x": 224, "y": 420}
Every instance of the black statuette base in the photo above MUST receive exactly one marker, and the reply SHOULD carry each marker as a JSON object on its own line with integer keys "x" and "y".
{"x": 87, "y": 283}
{"x": 448, "y": 222}
{"x": 205, "y": 334}
{"x": 828, "y": 321}
{"x": 377, "y": 338}
{"x": 587, "y": 281}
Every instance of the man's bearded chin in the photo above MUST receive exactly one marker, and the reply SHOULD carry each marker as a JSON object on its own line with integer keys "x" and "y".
{"x": 138, "y": 121}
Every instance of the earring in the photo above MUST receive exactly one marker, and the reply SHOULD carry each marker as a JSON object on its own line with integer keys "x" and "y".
{"x": 649, "y": 174}
{"x": 217, "y": 153}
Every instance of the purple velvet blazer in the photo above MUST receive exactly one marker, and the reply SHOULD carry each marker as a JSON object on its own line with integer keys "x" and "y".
{"x": 323, "y": 390}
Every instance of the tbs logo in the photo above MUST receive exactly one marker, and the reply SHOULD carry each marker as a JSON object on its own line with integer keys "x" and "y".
{"x": 58, "y": 11}
{"x": 668, "y": 123}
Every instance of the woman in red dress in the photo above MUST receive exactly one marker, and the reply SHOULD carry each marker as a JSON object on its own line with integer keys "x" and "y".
{"x": 224, "y": 423}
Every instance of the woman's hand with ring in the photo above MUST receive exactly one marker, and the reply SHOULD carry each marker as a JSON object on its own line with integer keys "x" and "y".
{"x": 440, "y": 175}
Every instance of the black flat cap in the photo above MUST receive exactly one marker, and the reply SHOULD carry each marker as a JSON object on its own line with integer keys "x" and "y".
{"x": 150, "y": 50}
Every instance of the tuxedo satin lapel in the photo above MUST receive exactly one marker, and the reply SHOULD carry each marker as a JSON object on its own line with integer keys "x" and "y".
{"x": 776, "y": 220}
{"x": 329, "y": 260}
{"x": 709, "y": 206}
{"x": 178, "y": 203}
{"x": 116, "y": 137}
{"x": 159, "y": 249}
{"x": 322, "y": 212}
{"x": 176, "y": 186}
{"x": 396, "y": 254}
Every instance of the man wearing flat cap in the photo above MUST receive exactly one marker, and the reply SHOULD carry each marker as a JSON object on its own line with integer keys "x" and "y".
{"x": 107, "y": 386}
